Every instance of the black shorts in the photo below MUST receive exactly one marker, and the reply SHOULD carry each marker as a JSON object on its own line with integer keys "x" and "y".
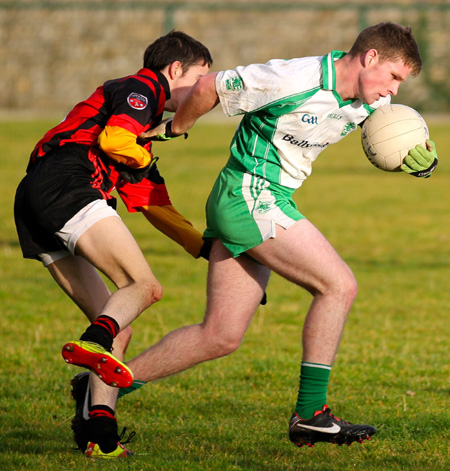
{"x": 62, "y": 183}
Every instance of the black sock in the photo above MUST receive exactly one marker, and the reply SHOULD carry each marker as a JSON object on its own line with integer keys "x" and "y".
{"x": 102, "y": 331}
{"x": 102, "y": 428}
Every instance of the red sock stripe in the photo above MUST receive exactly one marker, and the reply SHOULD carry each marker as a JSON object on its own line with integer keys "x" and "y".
{"x": 98, "y": 411}
{"x": 109, "y": 324}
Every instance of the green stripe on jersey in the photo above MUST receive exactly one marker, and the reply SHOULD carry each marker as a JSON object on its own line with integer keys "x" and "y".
{"x": 252, "y": 145}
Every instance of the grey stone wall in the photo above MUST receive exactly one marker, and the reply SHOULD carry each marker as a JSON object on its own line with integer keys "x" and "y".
{"x": 55, "y": 53}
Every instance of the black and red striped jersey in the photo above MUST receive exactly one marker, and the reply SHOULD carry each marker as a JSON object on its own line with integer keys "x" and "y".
{"x": 135, "y": 103}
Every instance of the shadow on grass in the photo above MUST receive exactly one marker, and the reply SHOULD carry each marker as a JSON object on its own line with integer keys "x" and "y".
{"x": 9, "y": 243}
{"x": 28, "y": 441}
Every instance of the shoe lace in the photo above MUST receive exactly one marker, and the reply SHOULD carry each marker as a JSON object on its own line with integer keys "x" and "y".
{"x": 327, "y": 411}
{"x": 122, "y": 435}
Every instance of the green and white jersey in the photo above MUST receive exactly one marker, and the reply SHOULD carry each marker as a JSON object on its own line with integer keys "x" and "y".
{"x": 292, "y": 112}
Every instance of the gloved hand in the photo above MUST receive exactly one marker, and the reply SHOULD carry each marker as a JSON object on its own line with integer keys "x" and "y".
{"x": 421, "y": 162}
{"x": 162, "y": 132}
{"x": 136, "y": 175}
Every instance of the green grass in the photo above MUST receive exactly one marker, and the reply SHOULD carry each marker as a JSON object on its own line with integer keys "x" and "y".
{"x": 392, "y": 370}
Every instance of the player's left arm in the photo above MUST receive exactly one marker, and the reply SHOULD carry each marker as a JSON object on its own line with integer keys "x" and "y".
{"x": 133, "y": 160}
{"x": 421, "y": 161}
{"x": 121, "y": 145}
{"x": 135, "y": 104}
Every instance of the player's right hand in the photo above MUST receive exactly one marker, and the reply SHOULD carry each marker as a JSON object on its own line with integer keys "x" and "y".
{"x": 421, "y": 162}
{"x": 162, "y": 132}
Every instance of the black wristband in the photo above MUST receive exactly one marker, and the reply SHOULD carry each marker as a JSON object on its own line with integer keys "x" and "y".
{"x": 427, "y": 172}
{"x": 169, "y": 132}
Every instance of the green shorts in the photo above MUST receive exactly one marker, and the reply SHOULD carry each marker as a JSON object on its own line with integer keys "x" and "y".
{"x": 243, "y": 210}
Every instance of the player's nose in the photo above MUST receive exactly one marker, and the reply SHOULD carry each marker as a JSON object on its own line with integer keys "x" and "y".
{"x": 394, "y": 89}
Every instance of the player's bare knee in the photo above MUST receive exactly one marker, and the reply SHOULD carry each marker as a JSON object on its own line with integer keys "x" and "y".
{"x": 351, "y": 285}
{"x": 221, "y": 345}
{"x": 122, "y": 341}
{"x": 342, "y": 286}
{"x": 152, "y": 292}
{"x": 157, "y": 293}
{"x": 354, "y": 288}
{"x": 345, "y": 287}
{"x": 126, "y": 335}
{"x": 229, "y": 346}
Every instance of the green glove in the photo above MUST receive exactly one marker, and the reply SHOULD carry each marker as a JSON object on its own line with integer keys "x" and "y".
{"x": 168, "y": 134}
{"x": 162, "y": 132}
{"x": 421, "y": 162}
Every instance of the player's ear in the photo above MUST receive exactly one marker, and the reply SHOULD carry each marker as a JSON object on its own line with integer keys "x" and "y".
{"x": 175, "y": 70}
{"x": 370, "y": 57}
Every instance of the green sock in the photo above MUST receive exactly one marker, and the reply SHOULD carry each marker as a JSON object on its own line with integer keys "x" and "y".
{"x": 312, "y": 395}
{"x": 134, "y": 386}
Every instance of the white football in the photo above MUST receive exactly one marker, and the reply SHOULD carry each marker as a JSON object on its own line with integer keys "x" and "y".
{"x": 389, "y": 133}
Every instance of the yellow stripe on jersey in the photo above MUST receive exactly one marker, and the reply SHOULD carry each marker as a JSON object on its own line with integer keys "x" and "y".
{"x": 120, "y": 145}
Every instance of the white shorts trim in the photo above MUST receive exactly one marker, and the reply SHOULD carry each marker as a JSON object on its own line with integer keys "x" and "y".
{"x": 262, "y": 205}
{"x": 76, "y": 227}
{"x": 51, "y": 257}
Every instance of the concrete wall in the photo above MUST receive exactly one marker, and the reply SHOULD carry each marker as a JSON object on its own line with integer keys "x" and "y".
{"x": 55, "y": 53}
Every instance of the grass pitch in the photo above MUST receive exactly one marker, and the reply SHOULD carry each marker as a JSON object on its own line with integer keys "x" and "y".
{"x": 392, "y": 370}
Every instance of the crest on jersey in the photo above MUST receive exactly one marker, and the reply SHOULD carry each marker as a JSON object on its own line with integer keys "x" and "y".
{"x": 264, "y": 207}
{"x": 234, "y": 83}
{"x": 137, "y": 101}
{"x": 348, "y": 128}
